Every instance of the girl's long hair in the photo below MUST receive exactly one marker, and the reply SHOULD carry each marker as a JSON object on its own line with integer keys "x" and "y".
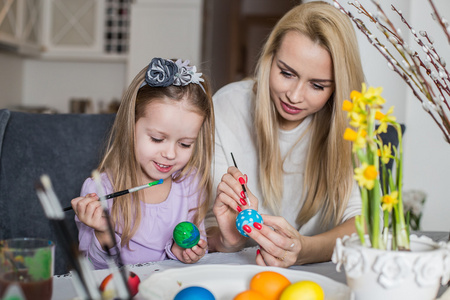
{"x": 120, "y": 161}
{"x": 328, "y": 177}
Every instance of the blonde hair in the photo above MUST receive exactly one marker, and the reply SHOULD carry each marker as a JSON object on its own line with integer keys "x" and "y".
{"x": 328, "y": 177}
{"x": 120, "y": 162}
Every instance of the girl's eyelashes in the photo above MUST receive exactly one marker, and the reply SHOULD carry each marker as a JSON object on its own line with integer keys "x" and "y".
{"x": 155, "y": 140}
{"x": 185, "y": 145}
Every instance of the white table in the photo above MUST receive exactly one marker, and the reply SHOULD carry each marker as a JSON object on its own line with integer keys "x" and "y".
{"x": 63, "y": 289}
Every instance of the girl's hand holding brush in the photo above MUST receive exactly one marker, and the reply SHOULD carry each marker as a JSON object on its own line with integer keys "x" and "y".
{"x": 90, "y": 211}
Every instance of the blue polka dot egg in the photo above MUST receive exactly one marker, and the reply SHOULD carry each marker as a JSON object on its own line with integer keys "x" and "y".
{"x": 247, "y": 217}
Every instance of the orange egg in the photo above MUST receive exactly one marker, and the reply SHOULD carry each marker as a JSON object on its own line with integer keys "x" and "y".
{"x": 249, "y": 295}
{"x": 270, "y": 284}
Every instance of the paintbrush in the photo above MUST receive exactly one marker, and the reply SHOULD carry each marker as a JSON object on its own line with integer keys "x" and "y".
{"x": 121, "y": 281}
{"x": 83, "y": 281}
{"x": 243, "y": 186}
{"x": 124, "y": 192}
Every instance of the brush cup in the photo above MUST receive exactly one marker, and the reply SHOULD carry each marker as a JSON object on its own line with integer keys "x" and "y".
{"x": 26, "y": 268}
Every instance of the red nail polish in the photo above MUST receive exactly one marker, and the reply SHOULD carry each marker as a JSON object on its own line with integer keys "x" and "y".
{"x": 246, "y": 178}
{"x": 257, "y": 225}
{"x": 258, "y": 252}
{"x": 238, "y": 209}
{"x": 241, "y": 180}
{"x": 243, "y": 201}
{"x": 242, "y": 194}
{"x": 247, "y": 228}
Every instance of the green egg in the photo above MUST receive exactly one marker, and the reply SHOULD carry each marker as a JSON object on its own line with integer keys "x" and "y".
{"x": 186, "y": 235}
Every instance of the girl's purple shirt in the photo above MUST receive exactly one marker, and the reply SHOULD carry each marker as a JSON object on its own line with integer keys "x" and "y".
{"x": 154, "y": 237}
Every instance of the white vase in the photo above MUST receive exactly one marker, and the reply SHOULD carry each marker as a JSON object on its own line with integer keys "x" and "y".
{"x": 380, "y": 274}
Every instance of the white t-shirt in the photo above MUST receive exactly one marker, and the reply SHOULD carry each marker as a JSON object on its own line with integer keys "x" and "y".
{"x": 235, "y": 134}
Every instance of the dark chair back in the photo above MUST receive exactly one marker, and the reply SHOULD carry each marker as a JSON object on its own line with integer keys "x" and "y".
{"x": 391, "y": 136}
{"x": 67, "y": 147}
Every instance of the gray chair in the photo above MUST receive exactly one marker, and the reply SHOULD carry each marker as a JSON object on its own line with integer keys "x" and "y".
{"x": 67, "y": 147}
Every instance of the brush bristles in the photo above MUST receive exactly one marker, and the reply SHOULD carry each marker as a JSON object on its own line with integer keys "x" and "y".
{"x": 96, "y": 175}
{"x": 46, "y": 182}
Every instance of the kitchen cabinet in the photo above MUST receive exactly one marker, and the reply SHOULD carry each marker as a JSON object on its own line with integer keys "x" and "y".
{"x": 66, "y": 29}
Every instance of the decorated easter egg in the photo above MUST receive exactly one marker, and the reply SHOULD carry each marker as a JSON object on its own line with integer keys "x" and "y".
{"x": 107, "y": 286}
{"x": 194, "y": 293}
{"x": 186, "y": 235}
{"x": 247, "y": 217}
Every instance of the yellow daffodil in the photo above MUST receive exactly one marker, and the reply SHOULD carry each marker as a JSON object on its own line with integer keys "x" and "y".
{"x": 386, "y": 154}
{"x": 355, "y": 95}
{"x": 379, "y": 115}
{"x": 357, "y": 120}
{"x": 350, "y": 135}
{"x": 347, "y": 106}
{"x": 385, "y": 119}
{"x": 389, "y": 201}
{"x": 357, "y": 137}
{"x": 366, "y": 175}
{"x": 360, "y": 142}
{"x": 371, "y": 96}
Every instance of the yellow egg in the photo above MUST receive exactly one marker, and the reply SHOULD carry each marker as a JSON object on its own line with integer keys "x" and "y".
{"x": 270, "y": 284}
{"x": 303, "y": 290}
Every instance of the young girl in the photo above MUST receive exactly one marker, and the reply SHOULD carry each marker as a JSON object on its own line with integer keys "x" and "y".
{"x": 164, "y": 129}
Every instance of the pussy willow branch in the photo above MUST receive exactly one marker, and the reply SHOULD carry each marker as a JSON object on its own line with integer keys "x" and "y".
{"x": 412, "y": 67}
{"x": 441, "y": 21}
{"x": 433, "y": 58}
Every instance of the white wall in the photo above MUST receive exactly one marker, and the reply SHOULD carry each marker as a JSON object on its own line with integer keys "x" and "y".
{"x": 54, "y": 83}
{"x": 164, "y": 28}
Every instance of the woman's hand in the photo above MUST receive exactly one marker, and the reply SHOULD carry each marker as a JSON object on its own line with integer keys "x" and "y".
{"x": 231, "y": 200}
{"x": 280, "y": 243}
{"x": 192, "y": 255}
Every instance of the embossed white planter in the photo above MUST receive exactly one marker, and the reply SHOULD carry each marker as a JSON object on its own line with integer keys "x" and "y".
{"x": 378, "y": 274}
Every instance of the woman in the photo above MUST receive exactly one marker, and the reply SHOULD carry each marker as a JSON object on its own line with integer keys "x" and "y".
{"x": 285, "y": 130}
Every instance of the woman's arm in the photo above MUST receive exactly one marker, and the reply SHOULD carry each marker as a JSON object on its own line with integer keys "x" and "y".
{"x": 282, "y": 245}
{"x": 319, "y": 248}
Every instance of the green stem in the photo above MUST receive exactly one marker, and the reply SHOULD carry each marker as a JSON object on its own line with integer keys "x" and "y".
{"x": 385, "y": 227}
{"x": 375, "y": 209}
{"x": 360, "y": 228}
{"x": 402, "y": 232}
